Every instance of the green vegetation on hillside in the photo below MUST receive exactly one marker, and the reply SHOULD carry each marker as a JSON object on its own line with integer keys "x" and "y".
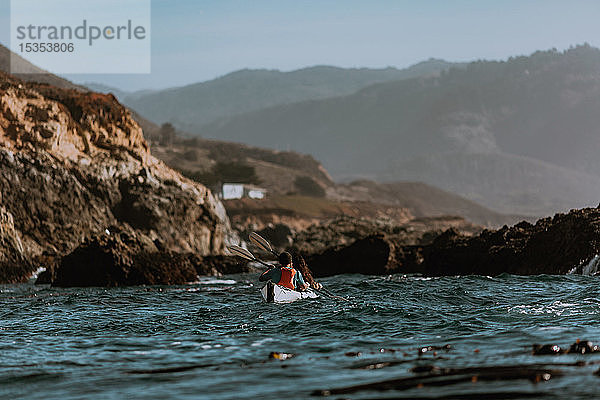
{"x": 308, "y": 187}
{"x": 224, "y": 172}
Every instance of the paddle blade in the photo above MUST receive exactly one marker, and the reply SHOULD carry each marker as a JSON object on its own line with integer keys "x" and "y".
{"x": 241, "y": 252}
{"x": 261, "y": 242}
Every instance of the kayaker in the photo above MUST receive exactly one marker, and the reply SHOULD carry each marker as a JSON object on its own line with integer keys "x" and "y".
{"x": 301, "y": 266}
{"x": 284, "y": 274}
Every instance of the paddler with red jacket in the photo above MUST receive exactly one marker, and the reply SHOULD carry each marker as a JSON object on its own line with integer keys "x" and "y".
{"x": 285, "y": 274}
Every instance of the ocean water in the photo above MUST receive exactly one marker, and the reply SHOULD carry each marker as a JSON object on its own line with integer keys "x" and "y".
{"x": 212, "y": 339}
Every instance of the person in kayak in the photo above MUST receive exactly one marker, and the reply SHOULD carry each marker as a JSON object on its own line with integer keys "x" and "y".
{"x": 301, "y": 266}
{"x": 285, "y": 274}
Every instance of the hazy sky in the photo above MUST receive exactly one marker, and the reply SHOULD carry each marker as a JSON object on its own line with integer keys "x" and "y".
{"x": 195, "y": 40}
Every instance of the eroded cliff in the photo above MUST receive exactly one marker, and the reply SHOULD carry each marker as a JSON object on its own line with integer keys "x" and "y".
{"x": 73, "y": 164}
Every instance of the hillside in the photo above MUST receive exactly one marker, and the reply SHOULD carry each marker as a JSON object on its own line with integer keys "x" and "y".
{"x": 421, "y": 199}
{"x": 278, "y": 172}
{"x": 538, "y": 108}
{"x": 190, "y": 107}
{"x": 275, "y": 170}
{"x": 33, "y": 73}
{"x": 503, "y": 182}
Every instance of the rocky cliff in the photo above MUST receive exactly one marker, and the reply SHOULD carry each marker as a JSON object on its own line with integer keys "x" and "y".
{"x": 74, "y": 163}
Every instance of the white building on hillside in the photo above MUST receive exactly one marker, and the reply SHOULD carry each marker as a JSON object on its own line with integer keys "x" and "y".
{"x": 232, "y": 191}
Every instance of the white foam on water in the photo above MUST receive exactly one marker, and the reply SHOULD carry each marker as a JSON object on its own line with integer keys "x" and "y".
{"x": 261, "y": 342}
{"x": 557, "y": 308}
{"x": 589, "y": 269}
{"x": 37, "y": 272}
{"x": 592, "y": 267}
{"x": 552, "y": 328}
{"x": 217, "y": 282}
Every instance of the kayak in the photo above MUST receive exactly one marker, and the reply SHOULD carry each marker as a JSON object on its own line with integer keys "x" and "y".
{"x": 273, "y": 293}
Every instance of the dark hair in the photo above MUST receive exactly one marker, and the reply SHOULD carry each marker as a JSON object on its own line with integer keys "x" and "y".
{"x": 300, "y": 265}
{"x": 299, "y": 262}
{"x": 285, "y": 259}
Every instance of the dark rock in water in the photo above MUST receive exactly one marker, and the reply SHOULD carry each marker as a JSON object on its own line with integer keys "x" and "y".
{"x": 547, "y": 349}
{"x": 161, "y": 268}
{"x": 103, "y": 260}
{"x": 373, "y": 255}
{"x": 583, "y": 347}
{"x": 579, "y": 347}
{"x": 566, "y": 243}
{"x": 551, "y": 246}
{"x": 122, "y": 257}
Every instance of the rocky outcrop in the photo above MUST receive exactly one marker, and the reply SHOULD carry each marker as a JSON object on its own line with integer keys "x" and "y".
{"x": 122, "y": 256}
{"x": 555, "y": 245}
{"x": 566, "y": 243}
{"x": 345, "y": 230}
{"x": 74, "y": 163}
{"x": 372, "y": 246}
{"x": 372, "y": 255}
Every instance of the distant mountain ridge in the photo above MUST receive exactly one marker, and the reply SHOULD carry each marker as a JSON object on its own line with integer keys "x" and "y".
{"x": 539, "y": 111}
{"x": 193, "y": 106}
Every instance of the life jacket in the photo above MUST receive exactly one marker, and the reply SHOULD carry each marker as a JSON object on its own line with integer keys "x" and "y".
{"x": 287, "y": 277}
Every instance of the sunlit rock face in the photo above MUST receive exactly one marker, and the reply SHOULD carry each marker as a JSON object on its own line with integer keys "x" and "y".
{"x": 73, "y": 163}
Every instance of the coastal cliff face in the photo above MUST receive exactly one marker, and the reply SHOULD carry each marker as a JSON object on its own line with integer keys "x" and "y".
{"x": 73, "y": 164}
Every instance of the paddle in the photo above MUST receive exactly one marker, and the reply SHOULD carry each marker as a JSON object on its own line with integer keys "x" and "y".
{"x": 241, "y": 252}
{"x": 266, "y": 246}
{"x": 262, "y": 243}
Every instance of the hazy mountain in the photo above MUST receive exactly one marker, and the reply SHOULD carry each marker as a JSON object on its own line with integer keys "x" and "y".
{"x": 192, "y": 106}
{"x": 504, "y": 182}
{"x": 543, "y": 107}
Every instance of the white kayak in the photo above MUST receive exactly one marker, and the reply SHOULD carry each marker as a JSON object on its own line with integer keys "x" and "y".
{"x": 273, "y": 293}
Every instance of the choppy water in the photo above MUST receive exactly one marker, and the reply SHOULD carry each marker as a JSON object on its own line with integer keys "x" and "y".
{"x": 212, "y": 339}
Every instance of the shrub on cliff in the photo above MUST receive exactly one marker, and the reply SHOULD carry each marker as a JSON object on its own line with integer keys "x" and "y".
{"x": 308, "y": 187}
